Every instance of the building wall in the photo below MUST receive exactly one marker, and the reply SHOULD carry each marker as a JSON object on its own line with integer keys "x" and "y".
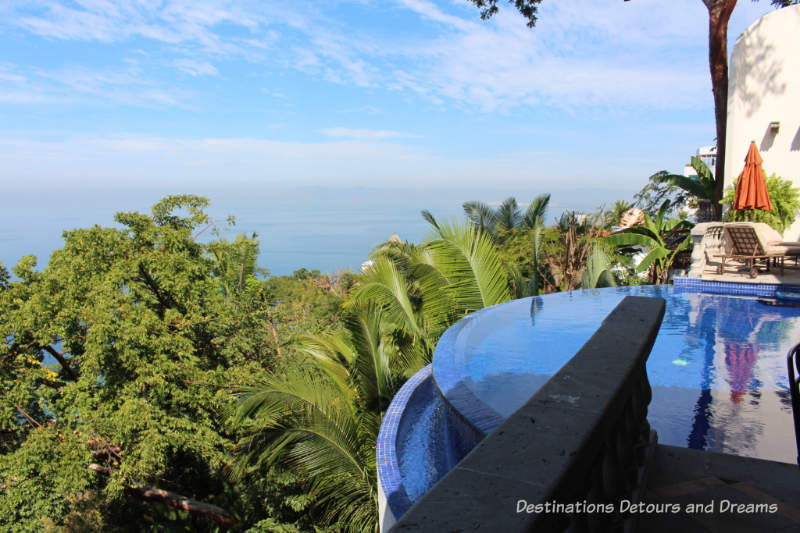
{"x": 764, "y": 87}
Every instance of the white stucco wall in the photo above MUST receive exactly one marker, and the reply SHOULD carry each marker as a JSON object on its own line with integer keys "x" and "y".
{"x": 764, "y": 87}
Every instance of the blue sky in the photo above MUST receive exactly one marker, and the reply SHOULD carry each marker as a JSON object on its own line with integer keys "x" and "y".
{"x": 380, "y": 93}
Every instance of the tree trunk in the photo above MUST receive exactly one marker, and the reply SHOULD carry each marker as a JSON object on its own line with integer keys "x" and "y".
{"x": 719, "y": 13}
{"x": 171, "y": 499}
{"x": 208, "y": 511}
{"x": 58, "y": 356}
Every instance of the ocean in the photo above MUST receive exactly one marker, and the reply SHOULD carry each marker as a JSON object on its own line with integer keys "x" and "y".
{"x": 325, "y": 228}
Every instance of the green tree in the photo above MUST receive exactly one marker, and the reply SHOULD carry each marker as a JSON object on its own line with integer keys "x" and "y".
{"x": 719, "y": 13}
{"x": 323, "y": 421}
{"x": 577, "y": 261}
{"x": 660, "y": 189}
{"x": 507, "y": 216}
{"x": 700, "y": 186}
{"x": 654, "y": 238}
{"x": 425, "y": 288}
{"x": 612, "y": 217}
{"x": 116, "y": 371}
{"x": 698, "y": 190}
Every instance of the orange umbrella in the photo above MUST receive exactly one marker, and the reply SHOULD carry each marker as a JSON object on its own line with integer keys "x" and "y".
{"x": 751, "y": 189}
{"x": 740, "y": 359}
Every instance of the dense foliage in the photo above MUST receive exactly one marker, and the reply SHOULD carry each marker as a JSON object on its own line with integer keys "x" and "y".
{"x": 660, "y": 238}
{"x": 785, "y": 203}
{"x": 154, "y": 382}
{"x": 117, "y": 372}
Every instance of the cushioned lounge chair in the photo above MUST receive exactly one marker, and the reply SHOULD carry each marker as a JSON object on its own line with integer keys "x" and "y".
{"x": 753, "y": 242}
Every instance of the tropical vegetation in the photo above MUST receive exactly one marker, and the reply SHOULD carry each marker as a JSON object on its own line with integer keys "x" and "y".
{"x": 783, "y": 197}
{"x": 661, "y": 240}
{"x": 155, "y": 381}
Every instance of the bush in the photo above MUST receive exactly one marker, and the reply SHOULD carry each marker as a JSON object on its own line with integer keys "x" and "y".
{"x": 785, "y": 202}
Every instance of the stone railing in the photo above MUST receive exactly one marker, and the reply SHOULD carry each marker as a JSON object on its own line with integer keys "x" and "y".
{"x": 574, "y": 457}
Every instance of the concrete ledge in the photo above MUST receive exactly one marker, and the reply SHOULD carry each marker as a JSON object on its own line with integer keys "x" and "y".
{"x": 549, "y": 449}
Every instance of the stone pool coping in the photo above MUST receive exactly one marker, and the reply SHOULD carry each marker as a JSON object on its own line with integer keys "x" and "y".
{"x": 589, "y": 417}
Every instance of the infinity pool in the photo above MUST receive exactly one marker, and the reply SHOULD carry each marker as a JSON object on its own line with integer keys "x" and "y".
{"x": 717, "y": 370}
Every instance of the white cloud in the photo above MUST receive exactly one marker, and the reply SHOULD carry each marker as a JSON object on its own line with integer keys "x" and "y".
{"x": 582, "y": 53}
{"x": 429, "y": 10}
{"x": 75, "y": 84}
{"x": 366, "y": 134}
{"x": 7, "y": 75}
{"x": 196, "y": 68}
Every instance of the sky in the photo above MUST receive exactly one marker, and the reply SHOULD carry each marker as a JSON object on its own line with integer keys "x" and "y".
{"x": 352, "y": 93}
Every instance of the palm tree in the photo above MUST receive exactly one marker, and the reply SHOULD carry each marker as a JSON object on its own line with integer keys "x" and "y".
{"x": 507, "y": 216}
{"x": 536, "y": 211}
{"x": 701, "y": 187}
{"x": 424, "y": 289}
{"x": 322, "y": 419}
{"x": 613, "y": 216}
{"x": 653, "y": 237}
{"x": 567, "y": 269}
{"x": 481, "y": 215}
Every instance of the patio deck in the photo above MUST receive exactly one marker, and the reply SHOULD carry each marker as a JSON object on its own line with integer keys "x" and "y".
{"x": 683, "y": 476}
{"x": 733, "y": 274}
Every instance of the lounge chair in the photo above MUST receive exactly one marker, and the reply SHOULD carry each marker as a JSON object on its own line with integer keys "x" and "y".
{"x": 715, "y": 245}
{"x": 793, "y": 362}
{"x": 753, "y": 242}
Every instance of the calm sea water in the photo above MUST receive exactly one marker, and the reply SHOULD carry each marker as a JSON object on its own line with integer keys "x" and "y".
{"x": 329, "y": 229}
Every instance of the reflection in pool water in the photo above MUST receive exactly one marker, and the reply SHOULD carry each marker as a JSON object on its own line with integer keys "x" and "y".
{"x": 717, "y": 368}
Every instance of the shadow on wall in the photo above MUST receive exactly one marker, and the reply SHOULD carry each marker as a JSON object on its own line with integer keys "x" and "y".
{"x": 768, "y": 139}
{"x": 795, "y": 147}
{"x": 757, "y": 72}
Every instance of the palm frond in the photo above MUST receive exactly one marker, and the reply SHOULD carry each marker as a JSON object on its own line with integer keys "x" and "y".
{"x": 508, "y": 215}
{"x": 469, "y": 260}
{"x": 695, "y": 187}
{"x": 653, "y": 255}
{"x": 481, "y": 215}
{"x": 428, "y": 216}
{"x": 333, "y": 354}
{"x": 304, "y": 423}
{"x": 536, "y": 211}
{"x": 631, "y": 238}
{"x": 538, "y": 235}
{"x": 662, "y": 211}
{"x": 385, "y": 285}
{"x": 437, "y": 306}
{"x": 598, "y": 269}
{"x": 704, "y": 174}
{"x": 373, "y": 364}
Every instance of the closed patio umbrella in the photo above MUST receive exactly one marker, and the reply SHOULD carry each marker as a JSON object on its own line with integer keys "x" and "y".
{"x": 751, "y": 189}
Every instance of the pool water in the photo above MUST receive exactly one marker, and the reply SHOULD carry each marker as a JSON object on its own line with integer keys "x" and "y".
{"x": 717, "y": 367}
{"x": 717, "y": 370}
